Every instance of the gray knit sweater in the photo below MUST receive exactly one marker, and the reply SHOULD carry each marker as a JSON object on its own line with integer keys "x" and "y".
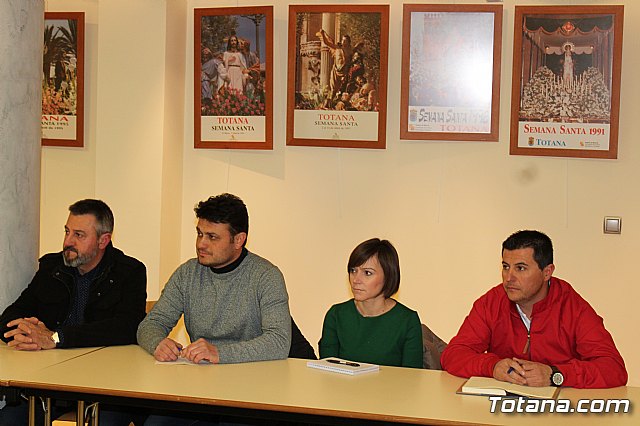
{"x": 244, "y": 312}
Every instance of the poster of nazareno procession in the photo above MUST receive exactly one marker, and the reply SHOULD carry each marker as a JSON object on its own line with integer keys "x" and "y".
{"x": 233, "y": 51}
{"x": 566, "y": 81}
{"x": 62, "y": 120}
{"x": 337, "y": 76}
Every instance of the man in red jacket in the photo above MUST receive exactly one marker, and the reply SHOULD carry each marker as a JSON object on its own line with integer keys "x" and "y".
{"x": 534, "y": 329}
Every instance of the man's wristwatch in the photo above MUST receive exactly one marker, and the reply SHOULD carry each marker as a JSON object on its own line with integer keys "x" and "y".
{"x": 55, "y": 338}
{"x": 557, "y": 378}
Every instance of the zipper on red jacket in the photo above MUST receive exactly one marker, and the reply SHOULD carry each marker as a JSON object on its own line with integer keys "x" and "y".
{"x": 525, "y": 350}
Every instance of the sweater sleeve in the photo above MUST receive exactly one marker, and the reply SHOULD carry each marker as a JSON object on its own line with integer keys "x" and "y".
{"x": 329, "y": 345}
{"x": 466, "y": 356}
{"x": 275, "y": 340}
{"x": 165, "y": 314}
{"x": 600, "y": 364}
{"x": 412, "y": 349}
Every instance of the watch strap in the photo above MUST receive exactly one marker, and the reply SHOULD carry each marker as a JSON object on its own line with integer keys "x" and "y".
{"x": 557, "y": 378}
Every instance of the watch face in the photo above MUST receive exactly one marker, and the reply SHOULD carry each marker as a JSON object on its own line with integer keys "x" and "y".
{"x": 557, "y": 378}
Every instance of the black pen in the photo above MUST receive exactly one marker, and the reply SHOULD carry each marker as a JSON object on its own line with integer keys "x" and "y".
{"x": 349, "y": 363}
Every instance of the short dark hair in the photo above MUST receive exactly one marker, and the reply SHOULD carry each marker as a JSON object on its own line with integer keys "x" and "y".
{"x": 387, "y": 257}
{"x": 225, "y": 208}
{"x": 99, "y": 209}
{"x": 539, "y": 242}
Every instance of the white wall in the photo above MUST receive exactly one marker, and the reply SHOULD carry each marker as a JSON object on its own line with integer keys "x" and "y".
{"x": 68, "y": 174}
{"x": 134, "y": 74}
{"x": 447, "y": 206}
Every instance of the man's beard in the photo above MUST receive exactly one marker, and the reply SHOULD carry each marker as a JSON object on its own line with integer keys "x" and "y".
{"x": 80, "y": 259}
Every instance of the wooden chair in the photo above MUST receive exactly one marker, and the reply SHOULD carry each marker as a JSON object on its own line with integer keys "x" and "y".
{"x": 432, "y": 347}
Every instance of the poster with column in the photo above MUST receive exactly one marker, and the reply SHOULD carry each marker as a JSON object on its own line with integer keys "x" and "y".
{"x": 337, "y": 76}
{"x": 62, "y": 120}
{"x": 566, "y": 81}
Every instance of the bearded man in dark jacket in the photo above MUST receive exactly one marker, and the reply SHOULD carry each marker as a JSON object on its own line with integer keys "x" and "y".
{"x": 90, "y": 294}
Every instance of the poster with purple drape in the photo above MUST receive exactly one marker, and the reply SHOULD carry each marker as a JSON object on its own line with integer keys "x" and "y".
{"x": 566, "y": 81}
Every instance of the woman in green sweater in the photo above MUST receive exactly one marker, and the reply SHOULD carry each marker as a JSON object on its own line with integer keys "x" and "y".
{"x": 372, "y": 327}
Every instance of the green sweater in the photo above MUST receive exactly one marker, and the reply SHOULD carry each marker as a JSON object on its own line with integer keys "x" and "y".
{"x": 244, "y": 312}
{"x": 393, "y": 338}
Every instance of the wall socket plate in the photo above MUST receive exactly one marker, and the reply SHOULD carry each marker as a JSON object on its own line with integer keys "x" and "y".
{"x": 612, "y": 225}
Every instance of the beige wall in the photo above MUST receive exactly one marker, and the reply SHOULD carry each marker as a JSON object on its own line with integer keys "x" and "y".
{"x": 447, "y": 206}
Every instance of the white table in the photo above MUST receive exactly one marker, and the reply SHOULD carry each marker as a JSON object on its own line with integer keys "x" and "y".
{"x": 14, "y": 365}
{"x": 289, "y": 389}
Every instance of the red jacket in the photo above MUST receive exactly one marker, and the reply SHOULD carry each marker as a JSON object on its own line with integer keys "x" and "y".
{"x": 565, "y": 332}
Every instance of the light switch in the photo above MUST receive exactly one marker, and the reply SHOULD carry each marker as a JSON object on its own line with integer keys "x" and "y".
{"x": 612, "y": 225}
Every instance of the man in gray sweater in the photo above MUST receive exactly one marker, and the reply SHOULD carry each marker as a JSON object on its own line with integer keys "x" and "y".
{"x": 235, "y": 303}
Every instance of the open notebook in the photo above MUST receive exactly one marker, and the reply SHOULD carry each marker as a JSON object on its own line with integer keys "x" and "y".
{"x": 490, "y": 386}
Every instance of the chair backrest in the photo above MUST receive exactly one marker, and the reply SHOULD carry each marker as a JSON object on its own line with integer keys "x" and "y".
{"x": 300, "y": 346}
{"x": 432, "y": 347}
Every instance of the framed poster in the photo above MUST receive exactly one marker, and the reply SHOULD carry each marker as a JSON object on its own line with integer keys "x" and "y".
{"x": 566, "y": 81}
{"x": 337, "y": 77}
{"x": 233, "y": 78}
{"x": 63, "y": 79}
{"x": 450, "y": 84}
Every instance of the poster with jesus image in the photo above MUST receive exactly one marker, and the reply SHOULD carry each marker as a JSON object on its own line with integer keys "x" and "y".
{"x": 233, "y": 62}
{"x": 566, "y": 81}
{"x": 337, "y": 76}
